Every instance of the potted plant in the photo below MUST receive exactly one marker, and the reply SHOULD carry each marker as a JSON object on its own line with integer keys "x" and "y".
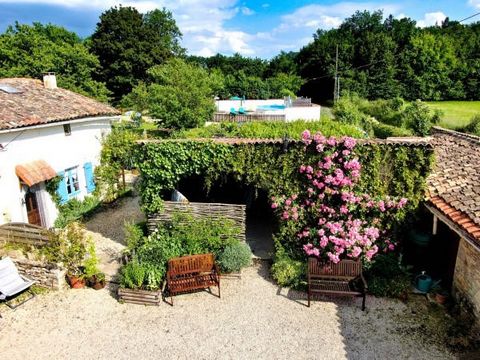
{"x": 71, "y": 252}
{"x": 95, "y": 278}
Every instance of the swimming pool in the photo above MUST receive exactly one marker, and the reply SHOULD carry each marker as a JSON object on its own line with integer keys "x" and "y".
{"x": 270, "y": 107}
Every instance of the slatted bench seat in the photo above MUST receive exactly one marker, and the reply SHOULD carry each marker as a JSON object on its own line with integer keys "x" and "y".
{"x": 192, "y": 272}
{"x": 344, "y": 278}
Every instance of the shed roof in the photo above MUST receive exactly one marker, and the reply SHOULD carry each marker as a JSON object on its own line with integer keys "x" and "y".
{"x": 26, "y": 102}
{"x": 454, "y": 185}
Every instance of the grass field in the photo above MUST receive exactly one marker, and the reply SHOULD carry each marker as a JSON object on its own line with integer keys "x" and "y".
{"x": 455, "y": 113}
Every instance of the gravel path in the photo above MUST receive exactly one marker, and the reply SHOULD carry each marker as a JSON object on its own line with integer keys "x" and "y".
{"x": 253, "y": 320}
{"x": 106, "y": 230}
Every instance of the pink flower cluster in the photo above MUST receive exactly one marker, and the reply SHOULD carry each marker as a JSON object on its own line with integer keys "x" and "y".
{"x": 335, "y": 221}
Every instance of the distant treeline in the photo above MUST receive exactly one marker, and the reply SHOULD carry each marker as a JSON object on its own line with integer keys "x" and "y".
{"x": 378, "y": 58}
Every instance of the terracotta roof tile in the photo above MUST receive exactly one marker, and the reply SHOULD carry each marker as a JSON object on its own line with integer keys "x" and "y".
{"x": 35, "y": 105}
{"x": 460, "y": 218}
{"x": 35, "y": 172}
{"x": 456, "y": 176}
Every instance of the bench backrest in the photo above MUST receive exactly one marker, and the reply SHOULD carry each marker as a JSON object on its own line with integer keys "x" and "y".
{"x": 345, "y": 269}
{"x": 191, "y": 264}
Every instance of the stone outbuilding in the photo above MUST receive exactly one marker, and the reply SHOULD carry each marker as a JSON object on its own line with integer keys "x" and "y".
{"x": 453, "y": 197}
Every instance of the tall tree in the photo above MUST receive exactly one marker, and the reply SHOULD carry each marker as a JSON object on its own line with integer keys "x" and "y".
{"x": 128, "y": 43}
{"x": 31, "y": 50}
{"x": 181, "y": 95}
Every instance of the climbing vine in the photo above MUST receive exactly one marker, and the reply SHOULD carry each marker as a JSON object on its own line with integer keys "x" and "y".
{"x": 394, "y": 170}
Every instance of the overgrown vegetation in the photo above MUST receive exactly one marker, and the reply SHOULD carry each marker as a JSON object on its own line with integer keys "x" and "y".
{"x": 272, "y": 129}
{"x": 76, "y": 210}
{"x": 383, "y": 118}
{"x": 183, "y": 235}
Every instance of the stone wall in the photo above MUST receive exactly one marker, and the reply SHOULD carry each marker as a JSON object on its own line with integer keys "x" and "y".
{"x": 466, "y": 283}
{"x": 45, "y": 274}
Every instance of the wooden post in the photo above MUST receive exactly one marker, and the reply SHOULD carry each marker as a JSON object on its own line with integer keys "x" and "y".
{"x": 435, "y": 223}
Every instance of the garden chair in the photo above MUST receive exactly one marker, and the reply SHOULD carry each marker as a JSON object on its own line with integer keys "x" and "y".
{"x": 12, "y": 283}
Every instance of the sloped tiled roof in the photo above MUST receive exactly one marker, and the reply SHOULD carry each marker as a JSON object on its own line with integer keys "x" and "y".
{"x": 35, "y": 172}
{"x": 33, "y": 104}
{"x": 454, "y": 185}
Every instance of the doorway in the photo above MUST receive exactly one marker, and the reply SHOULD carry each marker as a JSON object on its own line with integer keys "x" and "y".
{"x": 33, "y": 211}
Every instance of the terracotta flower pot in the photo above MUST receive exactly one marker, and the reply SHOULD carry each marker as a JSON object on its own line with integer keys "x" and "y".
{"x": 98, "y": 285}
{"x": 76, "y": 282}
{"x": 441, "y": 298}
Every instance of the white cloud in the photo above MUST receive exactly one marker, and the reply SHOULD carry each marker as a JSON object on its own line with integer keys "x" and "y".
{"x": 246, "y": 11}
{"x": 431, "y": 19}
{"x": 474, "y": 3}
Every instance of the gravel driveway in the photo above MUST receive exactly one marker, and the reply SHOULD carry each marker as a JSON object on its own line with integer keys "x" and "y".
{"x": 254, "y": 319}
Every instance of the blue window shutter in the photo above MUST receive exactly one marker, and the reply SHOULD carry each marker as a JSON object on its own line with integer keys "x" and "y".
{"x": 62, "y": 188}
{"x": 88, "y": 169}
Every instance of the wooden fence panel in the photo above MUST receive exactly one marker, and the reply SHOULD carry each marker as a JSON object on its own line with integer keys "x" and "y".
{"x": 22, "y": 233}
{"x": 235, "y": 212}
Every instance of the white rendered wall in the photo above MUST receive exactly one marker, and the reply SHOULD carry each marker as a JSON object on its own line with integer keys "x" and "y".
{"x": 308, "y": 113}
{"x": 58, "y": 150}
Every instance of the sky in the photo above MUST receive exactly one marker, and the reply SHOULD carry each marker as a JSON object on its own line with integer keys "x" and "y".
{"x": 252, "y": 28}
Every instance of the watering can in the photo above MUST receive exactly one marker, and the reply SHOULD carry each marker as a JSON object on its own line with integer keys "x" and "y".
{"x": 423, "y": 282}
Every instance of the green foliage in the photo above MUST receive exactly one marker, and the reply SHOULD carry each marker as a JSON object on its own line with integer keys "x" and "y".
{"x": 183, "y": 235}
{"x": 91, "y": 262}
{"x": 418, "y": 117}
{"x": 52, "y": 189}
{"x": 384, "y": 118}
{"x": 180, "y": 95}
{"x": 133, "y": 235}
{"x": 128, "y": 43}
{"x": 288, "y": 272}
{"x": 76, "y": 210}
{"x": 117, "y": 154}
{"x": 234, "y": 257}
{"x": 388, "y": 278}
{"x": 31, "y": 50}
{"x": 473, "y": 127}
{"x": 132, "y": 275}
{"x": 271, "y": 129}
{"x": 67, "y": 246}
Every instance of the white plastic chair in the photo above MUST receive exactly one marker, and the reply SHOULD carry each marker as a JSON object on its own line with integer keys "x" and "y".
{"x": 12, "y": 283}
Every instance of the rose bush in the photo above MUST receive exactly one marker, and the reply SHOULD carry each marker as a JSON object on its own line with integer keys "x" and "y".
{"x": 333, "y": 219}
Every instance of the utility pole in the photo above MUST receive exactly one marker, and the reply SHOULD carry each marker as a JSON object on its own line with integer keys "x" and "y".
{"x": 336, "y": 86}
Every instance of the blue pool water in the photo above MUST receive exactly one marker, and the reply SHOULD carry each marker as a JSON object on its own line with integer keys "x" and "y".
{"x": 270, "y": 107}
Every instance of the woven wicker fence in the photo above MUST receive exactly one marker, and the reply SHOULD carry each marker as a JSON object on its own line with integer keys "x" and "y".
{"x": 234, "y": 212}
{"x": 22, "y": 233}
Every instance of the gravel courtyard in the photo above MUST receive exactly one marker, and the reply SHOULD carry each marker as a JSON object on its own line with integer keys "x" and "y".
{"x": 254, "y": 319}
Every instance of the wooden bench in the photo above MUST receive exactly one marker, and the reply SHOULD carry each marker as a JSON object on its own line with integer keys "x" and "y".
{"x": 343, "y": 278}
{"x": 192, "y": 272}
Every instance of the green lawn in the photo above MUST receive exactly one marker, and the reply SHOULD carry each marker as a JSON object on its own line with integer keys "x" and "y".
{"x": 455, "y": 113}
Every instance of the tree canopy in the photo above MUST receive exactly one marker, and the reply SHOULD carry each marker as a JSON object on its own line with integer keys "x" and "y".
{"x": 180, "y": 94}
{"x": 31, "y": 50}
{"x": 128, "y": 43}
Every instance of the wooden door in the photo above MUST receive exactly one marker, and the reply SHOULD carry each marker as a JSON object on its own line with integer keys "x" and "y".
{"x": 33, "y": 213}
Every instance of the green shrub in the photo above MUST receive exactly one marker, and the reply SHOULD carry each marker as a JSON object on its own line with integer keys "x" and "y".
{"x": 473, "y": 127}
{"x": 272, "y": 129}
{"x": 288, "y": 272}
{"x": 234, "y": 257}
{"x": 420, "y": 118}
{"x": 154, "y": 275}
{"x": 132, "y": 275}
{"x": 133, "y": 235}
{"x": 382, "y": 131}
{"x": 76, "y": 210}
{"x": 67, "y": 246}
{"x": 387, "y": 277}
{"x": 91, "y": 262}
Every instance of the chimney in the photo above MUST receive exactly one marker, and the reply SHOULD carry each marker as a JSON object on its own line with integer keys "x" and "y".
{"x": 49, "y": 80}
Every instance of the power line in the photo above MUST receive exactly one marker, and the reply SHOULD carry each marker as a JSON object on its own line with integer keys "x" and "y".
{"x": 471, "y": 16}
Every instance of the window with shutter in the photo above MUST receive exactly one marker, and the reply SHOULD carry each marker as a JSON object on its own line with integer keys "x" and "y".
{"x": 89, "y": 179}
